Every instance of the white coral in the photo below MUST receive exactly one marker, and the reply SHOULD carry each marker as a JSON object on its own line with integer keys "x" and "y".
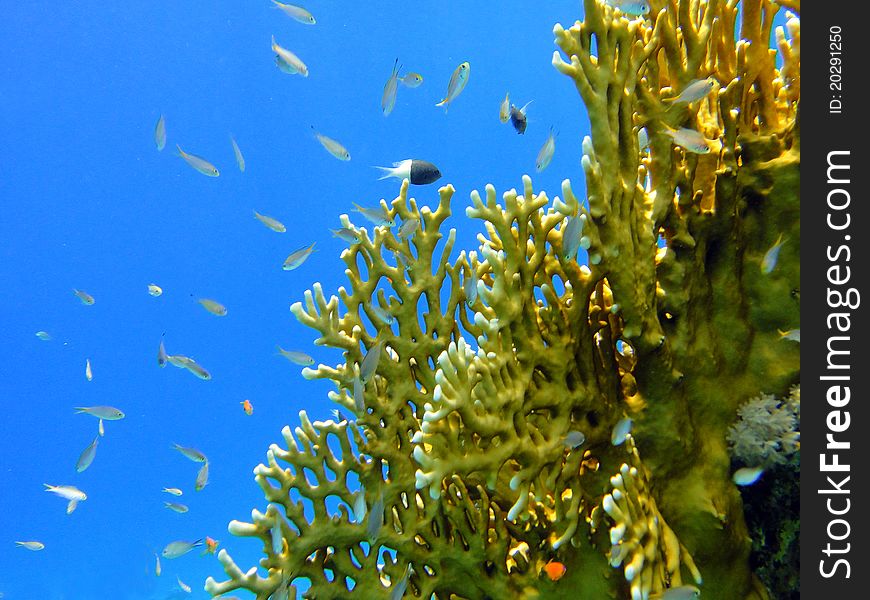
{"x": 768, "y": 430}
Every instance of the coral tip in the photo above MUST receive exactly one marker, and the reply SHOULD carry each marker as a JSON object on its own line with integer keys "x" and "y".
{"x": 555, "y": 570}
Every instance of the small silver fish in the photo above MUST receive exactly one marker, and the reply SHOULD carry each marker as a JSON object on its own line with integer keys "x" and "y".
{"x": 683, "y": 592}
{"x": 375, "y": 215}
{"x": 154, "y": 289}
{"x": 44, "y": 336}
{"x": 184, "y": 587}
{"x": 620, "y": 431}
{"x": 417, "y": 172}
{"x": 351, "y": 236}
{"x": 284, "y": 67}
{"x": 109, "y": 413}
{"x": 87, "y": 456}
{"x": 574, "y": 439}
{"x": 370, "y": 362}
{"x": 504, "y": 111}
{"x": 213, "y": 306}
{"x": 398, "y": 592}
{"x": 546, "y": 153}
{"x": 89, "y": 374}
{"x": 277, "y": 536}
{"x": 388, "y": 99}
{"x": 689, "y": 139}
{"x": 571, "y": 235}
{"x": 161, "y": 354}
{"x": 157, "y": 569}
{"x": 359, "y": 506}
{"x": 642, "y": 138}
{"x": 298, "y": 358}
{"x": 768, "y": 263}
{"x": 635, "y": 8}
{"x": 470, "y": 287}
{"x": 160, "y": 133}
{"x": 67, "y": 492}
{"x": 179, "y": 548}
{"x": 297, "y": 13}
{"x": 191, "y": 365}
{"x": 101, "y": 429}
{"x": 191, "y": 453}
{"x": 747, "y": 475}
{"x": 408, "y": 228}
{"x": 85, "y": 297}
{"x": 376, "y": 519}
{"x": 380, "y": 313}
{"x": 33, "y": 545}
{"x": 297, "y": 257}
{"x": 240, "y": 160}
{"x": 173, "y": 491}
{"x": 458, "y": 81}
{"x": 198, "y": 163}
{"x": 201, "y": 477}
{"x": 273, "y": 224}
{"x": 291, "y": 63}
{"x": 332, "y": 146}
{"x": 694, "y": 90}
{"x": 176, "y": 507}
{"x": 793, "y": 335}
{"x": 411, "y": 80}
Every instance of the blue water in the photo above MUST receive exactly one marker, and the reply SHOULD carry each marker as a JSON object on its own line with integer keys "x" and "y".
{"x": 89, "y": 203}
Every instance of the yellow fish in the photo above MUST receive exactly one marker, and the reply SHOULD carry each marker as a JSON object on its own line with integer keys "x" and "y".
{"x": 154, "y": 289}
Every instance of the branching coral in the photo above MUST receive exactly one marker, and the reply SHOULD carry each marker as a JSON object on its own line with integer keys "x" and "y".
{"x": 482, "y": 371}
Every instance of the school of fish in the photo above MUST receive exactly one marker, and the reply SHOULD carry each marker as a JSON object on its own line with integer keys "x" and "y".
{"x": 417, "y": 172}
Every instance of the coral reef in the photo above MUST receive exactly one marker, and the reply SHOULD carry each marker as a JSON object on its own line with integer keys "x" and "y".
{"x": 768, "y": 430}
{"x": 470, "y": 379}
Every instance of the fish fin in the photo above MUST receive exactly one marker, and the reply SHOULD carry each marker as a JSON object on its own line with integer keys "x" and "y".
{"x": 180, "y": 151}
{"x": 525, "y": 106}
{"x": 388, "y": 172}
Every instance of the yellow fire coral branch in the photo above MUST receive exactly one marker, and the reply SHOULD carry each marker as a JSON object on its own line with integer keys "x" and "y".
{"x": 484, "y": 389}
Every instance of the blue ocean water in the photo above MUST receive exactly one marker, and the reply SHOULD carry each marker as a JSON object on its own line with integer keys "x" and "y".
{"x": 89, "y": 203}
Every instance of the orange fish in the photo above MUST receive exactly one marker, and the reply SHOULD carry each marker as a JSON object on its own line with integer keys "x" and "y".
{"x": 210, "y": 545}
{"x": 555, "y": 570}
{"x": 247, "y": 407}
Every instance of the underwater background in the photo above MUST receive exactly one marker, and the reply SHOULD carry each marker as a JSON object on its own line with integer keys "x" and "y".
{"x": 88, "y": 202}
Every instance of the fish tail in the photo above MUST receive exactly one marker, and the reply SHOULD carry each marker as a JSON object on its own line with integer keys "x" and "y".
{"x": 180, "y": 151}
{"x": 388, "y": 172}
{"x": 80, "y": 409}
